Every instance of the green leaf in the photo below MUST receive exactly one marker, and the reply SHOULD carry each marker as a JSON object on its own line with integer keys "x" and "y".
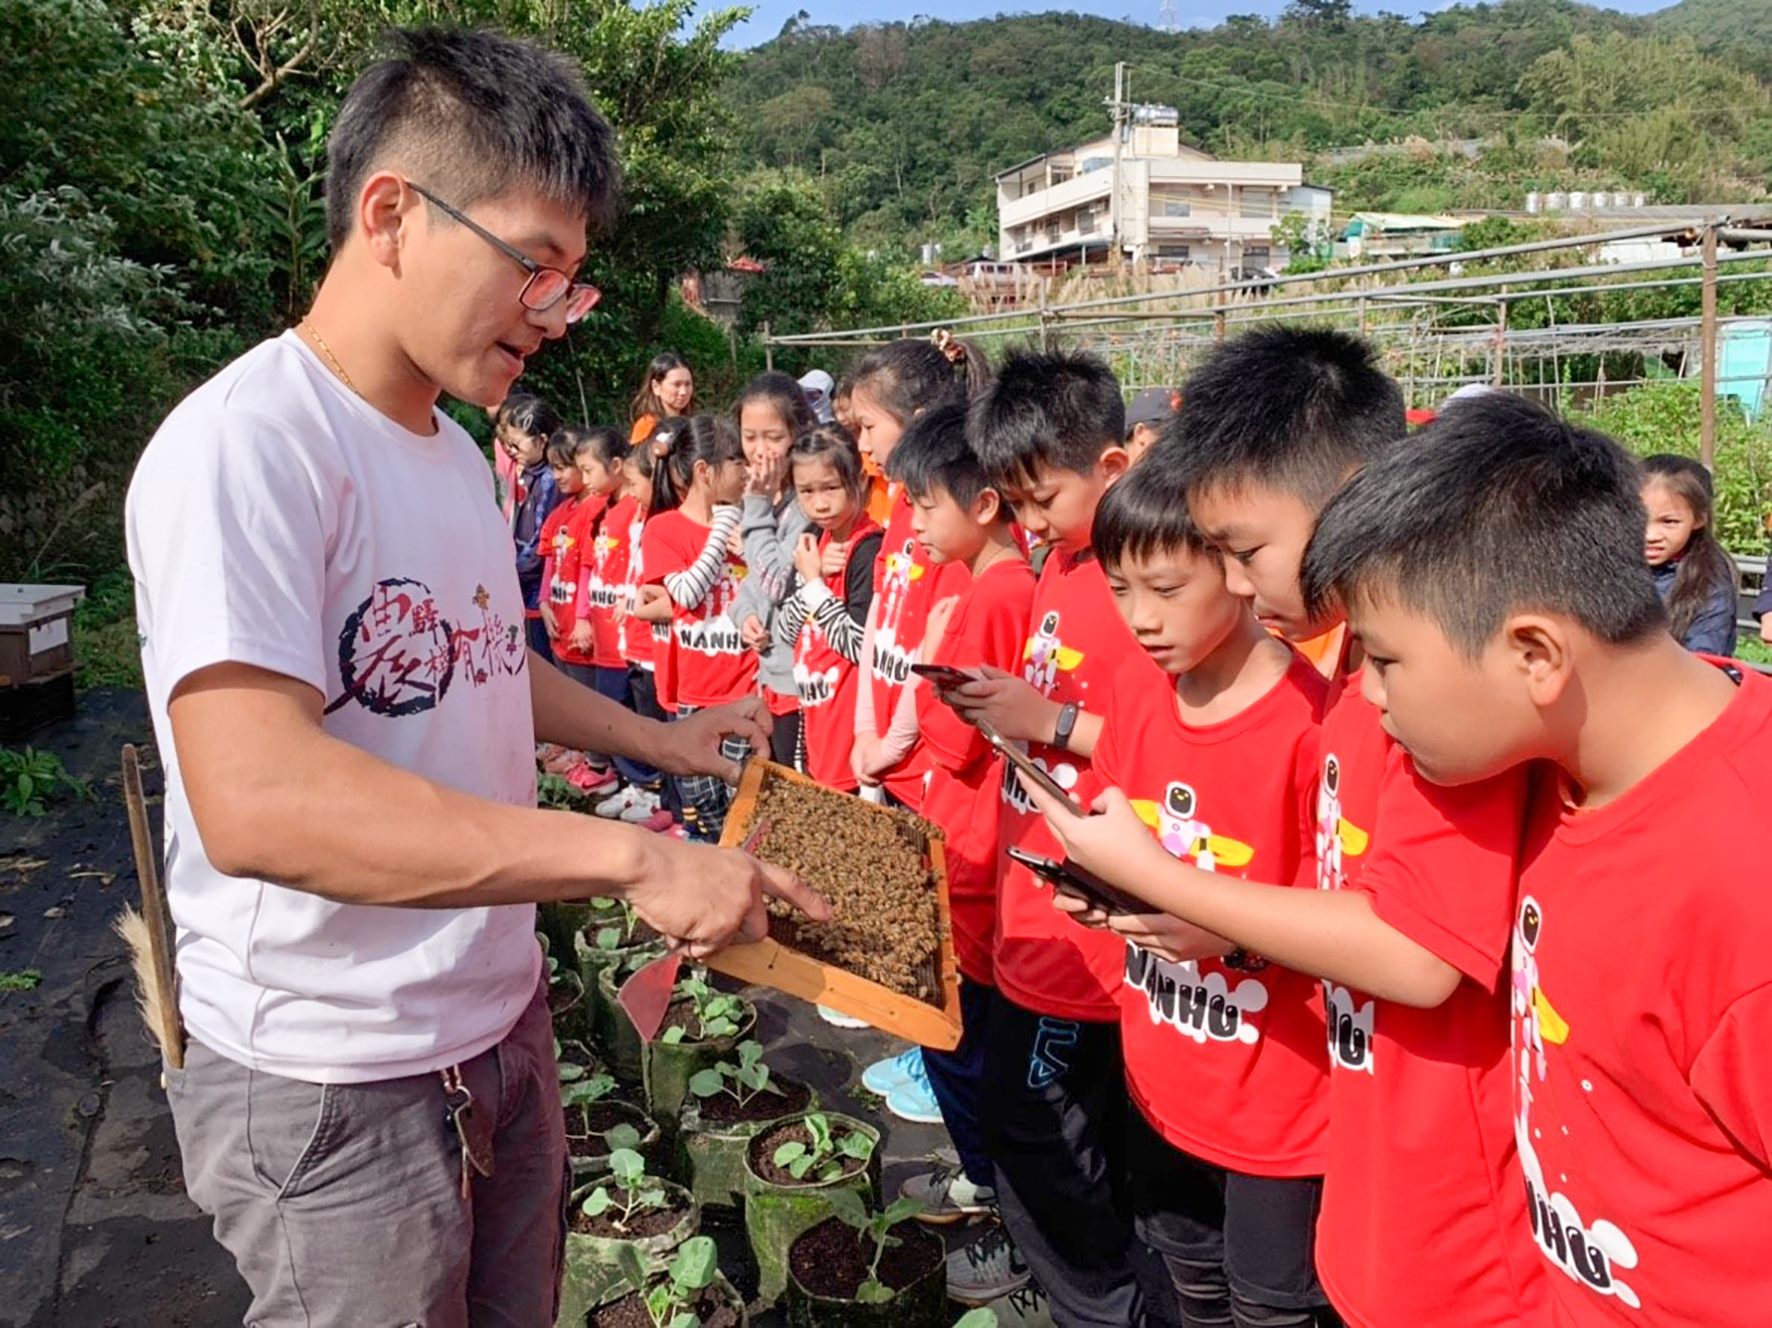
{"x": 651, "y": 1198}
{"x": 627, "y": 1166}
{"x": 856, "y": 1144}
{"x": 684, "y": 1319}
{"x": 706, "y": 1083}
{"x": 696, "y": 1261}
{"x": 570, "y": 1073}
{"x": 754, "y": 1077}
{"x": 671, "y": 1036}
{"x": 623, "y": 1136}
{"x": 609, "y": 938}
{"x": 899, "y": 1209}
{"x": 750, "y": 1054}
{"x": 632, "y": 1265}
{"x": 789, "y": 1152}
{"x": 799, "y": 1167}
{"x": 598, "y": 1202}
{"x": 982, "y": 1317}
{"x": 874, "y": 1292}
{"x": 848, "y": 1208}
{"x": 715, "y": 1028}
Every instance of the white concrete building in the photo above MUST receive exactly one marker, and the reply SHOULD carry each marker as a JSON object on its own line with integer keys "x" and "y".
{"x": 1177, "y": 203}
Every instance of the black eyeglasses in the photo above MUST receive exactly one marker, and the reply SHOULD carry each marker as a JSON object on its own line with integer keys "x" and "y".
{"x": 546, "y": 286}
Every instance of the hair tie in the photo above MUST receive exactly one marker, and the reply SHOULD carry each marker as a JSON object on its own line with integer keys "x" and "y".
{"x": 662, "y": 443}
{"x": 949, "y": 345}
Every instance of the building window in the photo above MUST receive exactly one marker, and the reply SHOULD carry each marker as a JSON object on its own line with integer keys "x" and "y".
{"x": 1257, "y": 255}
{"x": 1170, "y": 250}
{"x": 1257, "y": 204}
{"x": 1175, "y": 207}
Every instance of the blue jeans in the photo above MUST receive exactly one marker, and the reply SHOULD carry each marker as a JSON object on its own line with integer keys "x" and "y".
{"x": 954, "y": 1077}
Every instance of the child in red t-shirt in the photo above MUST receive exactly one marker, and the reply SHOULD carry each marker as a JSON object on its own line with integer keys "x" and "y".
{"x": 1212, "y": 735}
{"x": 960, "y": 520}
{"x": 1410, "y": 927}
{"x": 586, "y": 464}
{"x": 1049, "y": 434}
{"x": 890, "y": 388}
{"x": 689, "y": 550}
{"x": 1494, "y": 573}
{"x": 820, "y": 622}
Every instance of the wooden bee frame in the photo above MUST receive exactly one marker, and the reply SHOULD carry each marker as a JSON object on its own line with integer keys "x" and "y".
{"x": 771, "y": 964}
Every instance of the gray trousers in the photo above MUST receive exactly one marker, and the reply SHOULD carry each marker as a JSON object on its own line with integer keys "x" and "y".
{"x": 342, "y": 1203}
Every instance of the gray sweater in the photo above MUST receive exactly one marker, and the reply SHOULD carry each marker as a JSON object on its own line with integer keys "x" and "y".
{"x": 769, "y": 533}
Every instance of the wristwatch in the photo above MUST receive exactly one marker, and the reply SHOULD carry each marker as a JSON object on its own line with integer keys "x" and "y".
{"x": 1067, "y": 721}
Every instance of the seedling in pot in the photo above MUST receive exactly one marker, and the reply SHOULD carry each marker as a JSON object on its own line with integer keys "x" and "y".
{"x": 612, "y": 932}
{"x": 824, "y": 1159}
{"x": 668, "y": 1299}
{"x": 633, "y": 1192}
{"x": 716, "y": 1013}
{"x": 589, "y": 1089}
{"x": 850, "y": 1209}
{"x": 740, "y": 1082}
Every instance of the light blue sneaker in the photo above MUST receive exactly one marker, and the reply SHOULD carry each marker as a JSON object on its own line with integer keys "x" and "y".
{"x": 914, "y": 1100}
{"x": 883, "y": 1076}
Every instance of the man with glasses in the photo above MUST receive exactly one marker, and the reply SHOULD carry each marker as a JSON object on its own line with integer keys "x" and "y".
{"x": 346, "y": 713}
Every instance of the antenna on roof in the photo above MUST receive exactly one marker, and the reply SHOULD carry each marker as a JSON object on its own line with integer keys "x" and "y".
{"x": 1168, "y": 18}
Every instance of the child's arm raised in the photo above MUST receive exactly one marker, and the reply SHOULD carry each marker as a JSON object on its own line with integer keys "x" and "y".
{"x": 1331, "y": 934}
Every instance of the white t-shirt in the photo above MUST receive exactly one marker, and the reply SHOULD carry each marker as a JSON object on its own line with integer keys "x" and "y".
{"x": 278, "y": 520}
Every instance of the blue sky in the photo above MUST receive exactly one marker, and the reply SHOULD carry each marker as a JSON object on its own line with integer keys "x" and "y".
{"x": 769, "y": 15}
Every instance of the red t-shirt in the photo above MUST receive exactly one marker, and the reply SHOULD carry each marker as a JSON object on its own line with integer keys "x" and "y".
{"x": 1226, "y": 1064}
{"x": 1642, "y": 1004}
{"x": 826, "y": 684}
{"x": 1422, "y": 1202}
{"x": 906, "y": 587}
{"x": 634, "y": 637}
{"x": 988, "y": 626}
{"x": 710, "y": 661}
{"x": 1076, "y": 643}
{"x": 600, "y": 581}
{"x": 563, "y": 536}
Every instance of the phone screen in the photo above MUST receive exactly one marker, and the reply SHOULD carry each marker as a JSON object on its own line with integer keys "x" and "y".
{"x": 943, "y": 675}
{"x": 1085, "y": 884}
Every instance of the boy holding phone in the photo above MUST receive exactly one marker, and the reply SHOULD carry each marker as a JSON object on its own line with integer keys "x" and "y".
{"x": 1212, "y": 735}
{"x": 958, "y": 518}
{"x": 1050, "y": 433}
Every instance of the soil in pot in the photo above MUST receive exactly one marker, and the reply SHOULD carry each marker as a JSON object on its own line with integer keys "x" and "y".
{"x": 714, "y": 1132}
{"x": 762, "y": 1150}
{"x": 833, "y": 1260}
{"x": 784, "y": 1097}
{"x": 716, "y": 1308}
{"x": 587, "y": 1137}
{"x": 652, "y": 1222}
{"x": 873, "y": 868}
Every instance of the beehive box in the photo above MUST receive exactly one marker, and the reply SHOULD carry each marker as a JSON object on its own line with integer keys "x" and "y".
{"x": 888, "y": 955}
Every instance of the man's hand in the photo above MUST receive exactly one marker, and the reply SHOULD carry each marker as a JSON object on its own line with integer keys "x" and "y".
{"x": 754, "y": 634}
{"x": 1012, "y": 706}
{"x": 691, "y": 745}
{"x": 582, "y": 636}
{"x": 705, "y": 898}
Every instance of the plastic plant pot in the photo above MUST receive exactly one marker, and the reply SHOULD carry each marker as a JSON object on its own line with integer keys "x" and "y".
{"x": 711, "y": 1155}
{"x": 921, "y": 1303}
{"x": 776, "y": 1212}
{"x": 669, "y": 1066}
{"x": 593, "y": 1264}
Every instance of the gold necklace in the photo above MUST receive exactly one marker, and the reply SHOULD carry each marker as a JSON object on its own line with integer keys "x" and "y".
{"x": 331, "y": 359}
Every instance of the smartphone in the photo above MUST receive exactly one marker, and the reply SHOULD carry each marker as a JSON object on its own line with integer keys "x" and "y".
{"x": 1022, "y": 761}
{"x": 944, "y": 675}
{"x": 1079, "y": 881}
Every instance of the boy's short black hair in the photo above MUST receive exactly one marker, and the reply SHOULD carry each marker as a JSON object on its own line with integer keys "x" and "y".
{"x": 933, "y": 454}
{"x": 1295, "y": 409}
{"x": 471, "y": 115}
{"x": 1145, "y": 514}
{"x": 1053, "y": 410}
{"x": 1497, "y": 506}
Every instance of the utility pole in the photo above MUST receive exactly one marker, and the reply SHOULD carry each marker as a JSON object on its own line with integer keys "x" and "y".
{"x": 1114, "y": 210}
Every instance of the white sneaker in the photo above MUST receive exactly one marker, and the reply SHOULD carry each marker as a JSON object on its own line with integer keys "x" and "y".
{"x": 641, "y": 808}
{"x": 986, "y": 1270}
{"x": 1026, "y": 1308}
{"x": 617, "y": 804}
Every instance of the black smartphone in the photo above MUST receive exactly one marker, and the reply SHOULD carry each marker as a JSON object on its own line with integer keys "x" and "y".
{"x": 944, "y": 675}
{"x": 1022, "y": 761}
{"x": 1079, "y": 881}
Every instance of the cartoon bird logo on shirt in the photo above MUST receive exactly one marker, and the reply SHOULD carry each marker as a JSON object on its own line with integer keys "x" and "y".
{"x": 1590, "y": 1254}
{"x": 1337, "y": 837}
{"x": 1179, "y": 830}
{"x": 1046, "y": 656}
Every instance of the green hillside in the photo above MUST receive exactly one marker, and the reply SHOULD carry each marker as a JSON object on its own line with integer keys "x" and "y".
{"x": 903, "y": 125}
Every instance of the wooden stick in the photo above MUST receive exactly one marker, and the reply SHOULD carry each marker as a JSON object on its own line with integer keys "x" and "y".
{"x": 155, "y": 912}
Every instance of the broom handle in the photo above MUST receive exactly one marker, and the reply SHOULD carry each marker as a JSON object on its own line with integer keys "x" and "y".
{"x": 154, "y": 910}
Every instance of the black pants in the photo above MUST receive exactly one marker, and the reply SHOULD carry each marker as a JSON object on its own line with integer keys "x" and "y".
{"x": 1231, "y": 1250}
{"x": 784, "y": 740}
{"x": 643, "y": 696}
{"x": 1053, "y": 1103}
